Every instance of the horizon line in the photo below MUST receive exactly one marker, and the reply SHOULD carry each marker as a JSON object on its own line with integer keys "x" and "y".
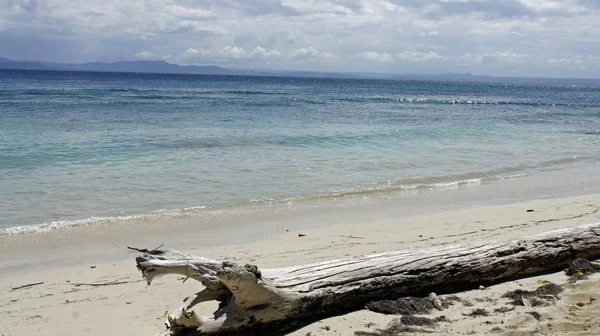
{"x": 367, "y": 74}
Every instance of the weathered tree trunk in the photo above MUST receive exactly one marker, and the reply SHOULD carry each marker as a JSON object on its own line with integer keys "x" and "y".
{"x": 253, "y": 300}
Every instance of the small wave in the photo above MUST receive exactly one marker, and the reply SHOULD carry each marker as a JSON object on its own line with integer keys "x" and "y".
{"x": 200, "y": 207}
{"x": 431, "y": 101}
{"x": 165, "y": 97}
{"x": 250, "y": 92}
{"x": 512, "y": 177}
{"x": 63, "y": 224}
{"x": 126, "y": 89}
{"x": 391, "y": 187}
{"x": 557, "y": 162}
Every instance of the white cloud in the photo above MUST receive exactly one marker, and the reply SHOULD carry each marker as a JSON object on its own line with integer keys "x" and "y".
{"x": 145, "y": 55}
{"x": 502, "y": 56}
{"x": 416, "y": 56}
{"x": 317, "y": 6}
{"x": 193, "y": 53}
{"x": 310, "y": 52}
{"x": 379, "y": 7}
{"x": 148, "y": 55}
{"x": 260, "y": 52}
{"x": 561, "y": 7}
{"x": 232, "y": 52}
{"x": 575, "y": 60}
{"x": 189, "y": 13}
{"x": 376, "y": 57}
{"x": 461, "y": 1}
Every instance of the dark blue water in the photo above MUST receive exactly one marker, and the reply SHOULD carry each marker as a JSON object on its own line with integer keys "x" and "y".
{"x": 78, "y": 147}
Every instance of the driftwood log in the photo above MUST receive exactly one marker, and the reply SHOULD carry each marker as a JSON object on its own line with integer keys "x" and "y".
{"x": 255, "y": 301}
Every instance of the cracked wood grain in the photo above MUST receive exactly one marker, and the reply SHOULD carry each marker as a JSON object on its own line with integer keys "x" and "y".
{"x": 253, "y": 300}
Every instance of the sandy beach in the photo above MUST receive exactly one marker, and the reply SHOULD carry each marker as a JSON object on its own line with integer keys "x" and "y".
{"x": 300, "y": 168}
{"x": 87, "y": 293}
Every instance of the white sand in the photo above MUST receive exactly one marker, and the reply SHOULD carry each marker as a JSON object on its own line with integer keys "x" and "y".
{"x": 62, "y": 307}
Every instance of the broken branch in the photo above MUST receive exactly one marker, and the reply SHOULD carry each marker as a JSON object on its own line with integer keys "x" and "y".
{"x": 27, "y": 286}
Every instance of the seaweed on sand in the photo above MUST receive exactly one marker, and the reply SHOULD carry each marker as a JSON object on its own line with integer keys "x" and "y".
{"x": 403, "y": 306}
{"x": 536, "y": 297}
{"x": 478, "y": 312}
{"x": 406, "y": 324}
{"x": 422, "y": 321}
{"x": 579, "y": 269}
{"x": 450, "y": 299}
{"x": 396, "y": 327}
{"x": 549, "y": 289}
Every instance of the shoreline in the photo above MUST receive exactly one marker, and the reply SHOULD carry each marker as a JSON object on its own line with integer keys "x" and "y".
{"x": 493, "y": 190}
{"x": 108, "y": 241}
{"x": 60, "y": 307}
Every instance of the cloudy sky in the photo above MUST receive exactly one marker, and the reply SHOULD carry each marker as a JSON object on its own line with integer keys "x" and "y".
{"x": 497, "y": 37}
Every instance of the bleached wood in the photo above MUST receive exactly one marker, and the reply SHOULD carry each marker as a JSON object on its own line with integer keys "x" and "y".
{"x": 253, "y": 300}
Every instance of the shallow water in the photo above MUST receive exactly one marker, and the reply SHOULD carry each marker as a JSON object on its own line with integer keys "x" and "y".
{"x": 79, "y": 148}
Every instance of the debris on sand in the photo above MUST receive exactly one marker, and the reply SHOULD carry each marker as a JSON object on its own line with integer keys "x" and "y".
{"x": 396, "y": 327}
{"x": 403, "y": 306}
{"x": 422, "y": 321}
{"x": 450, "y": 299}
{"x": 504, "y": 309}
{"x": 485, "y": 299}
{"x": 539, "y": 297}
{"x": 517, "y": 296}
{"x": 478, "y": 312}
{"x": 535, "y": 302}
{"x": 417, "y": 320}
{"x": 580, "y": 265}
{"x": 549, "y": 289}
{"x": 580, "y": 268}
{"x": 408, "y": 323}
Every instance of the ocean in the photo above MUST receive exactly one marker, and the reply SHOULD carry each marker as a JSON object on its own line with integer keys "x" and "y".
{"x": 81, "y": 148}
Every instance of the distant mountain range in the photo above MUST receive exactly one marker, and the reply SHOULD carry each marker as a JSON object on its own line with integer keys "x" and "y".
{"x": 157, "y": 67}
{"x": 165, "y": 67}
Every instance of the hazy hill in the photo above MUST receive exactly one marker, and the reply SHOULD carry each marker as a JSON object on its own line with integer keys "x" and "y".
{"x": 165, "y": 67}
{"x": 157, "y": 67}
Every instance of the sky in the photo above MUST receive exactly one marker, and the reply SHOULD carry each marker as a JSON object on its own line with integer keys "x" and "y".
{"x": 544, "y": 38}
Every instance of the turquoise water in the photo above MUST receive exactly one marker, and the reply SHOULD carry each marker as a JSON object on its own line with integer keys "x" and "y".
{"x": 76, "y": 148}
